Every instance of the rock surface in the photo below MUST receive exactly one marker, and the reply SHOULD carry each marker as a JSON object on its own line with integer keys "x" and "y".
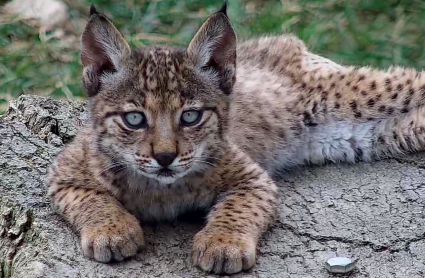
{"x": 373, "y": 212}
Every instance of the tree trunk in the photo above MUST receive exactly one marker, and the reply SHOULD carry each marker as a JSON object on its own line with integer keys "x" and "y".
{"x": 373, "y": 212}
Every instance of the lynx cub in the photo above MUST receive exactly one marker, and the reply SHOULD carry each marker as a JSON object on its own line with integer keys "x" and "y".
{"x": 174, "y": 130}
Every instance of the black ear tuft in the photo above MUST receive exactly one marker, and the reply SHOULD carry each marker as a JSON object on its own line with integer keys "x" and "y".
{"x": 93, "y": 10}
{"x": 103, "y": 50}
{"x": 224, "y": 8}
{"x": 213, "y": 50}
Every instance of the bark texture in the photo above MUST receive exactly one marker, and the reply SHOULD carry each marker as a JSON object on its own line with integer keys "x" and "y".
{"x": 373, "y": 212}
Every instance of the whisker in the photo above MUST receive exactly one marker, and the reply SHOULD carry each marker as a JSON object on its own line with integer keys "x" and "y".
{"x": 206, "y": 162}
{"x": 120, "y": 169}
{"x": 206, "y": 158}
{"x": 111, "y": 166}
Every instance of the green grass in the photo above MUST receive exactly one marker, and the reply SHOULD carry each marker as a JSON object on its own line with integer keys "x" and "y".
{"x": 361, "y": 32}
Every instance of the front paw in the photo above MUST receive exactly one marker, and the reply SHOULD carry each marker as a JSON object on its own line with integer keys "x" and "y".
{"x": 223, "y": 252}
{"x": 113, "y": 241}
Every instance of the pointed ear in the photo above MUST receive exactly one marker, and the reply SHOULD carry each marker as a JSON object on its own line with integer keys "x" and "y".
{"x": 103, "y": 50}
{"x": 213, "y": 50}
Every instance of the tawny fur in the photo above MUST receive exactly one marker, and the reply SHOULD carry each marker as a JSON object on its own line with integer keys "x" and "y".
{"x": 273, "y": 105}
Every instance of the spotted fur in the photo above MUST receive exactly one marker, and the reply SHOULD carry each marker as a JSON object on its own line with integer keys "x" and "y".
{"x": 267, "y": 104}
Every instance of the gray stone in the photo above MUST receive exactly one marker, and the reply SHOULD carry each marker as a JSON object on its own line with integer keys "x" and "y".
{"x": 373, "y": 212}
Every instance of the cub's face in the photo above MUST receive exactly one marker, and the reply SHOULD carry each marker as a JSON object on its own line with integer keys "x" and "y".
{"x": 160, "y": 116}
{"x": 159, "y": 111}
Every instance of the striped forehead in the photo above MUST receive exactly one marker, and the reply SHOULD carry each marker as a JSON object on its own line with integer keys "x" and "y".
{"x": 159, "y": 70}
{"x": 163, "y": 103}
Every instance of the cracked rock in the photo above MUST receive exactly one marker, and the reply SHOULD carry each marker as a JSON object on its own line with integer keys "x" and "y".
{"x": 374, "y": 212}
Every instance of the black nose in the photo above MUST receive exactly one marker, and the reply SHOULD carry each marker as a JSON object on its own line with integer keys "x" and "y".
{"x": 165, "y": 159}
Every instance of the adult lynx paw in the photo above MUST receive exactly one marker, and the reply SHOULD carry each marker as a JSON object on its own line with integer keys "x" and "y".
{"x": 223, "y": 253}
{"x": 115, "y": 241}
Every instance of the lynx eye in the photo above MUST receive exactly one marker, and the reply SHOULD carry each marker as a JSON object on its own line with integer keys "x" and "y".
{"x": 134, "y": 120}
{"x": 191, "y": 117}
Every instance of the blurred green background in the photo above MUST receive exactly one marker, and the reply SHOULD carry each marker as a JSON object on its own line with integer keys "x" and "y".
{"x": 359, "y": 32}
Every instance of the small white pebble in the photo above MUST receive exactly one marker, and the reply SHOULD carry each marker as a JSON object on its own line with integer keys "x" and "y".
{"x": 340, "y": 265}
